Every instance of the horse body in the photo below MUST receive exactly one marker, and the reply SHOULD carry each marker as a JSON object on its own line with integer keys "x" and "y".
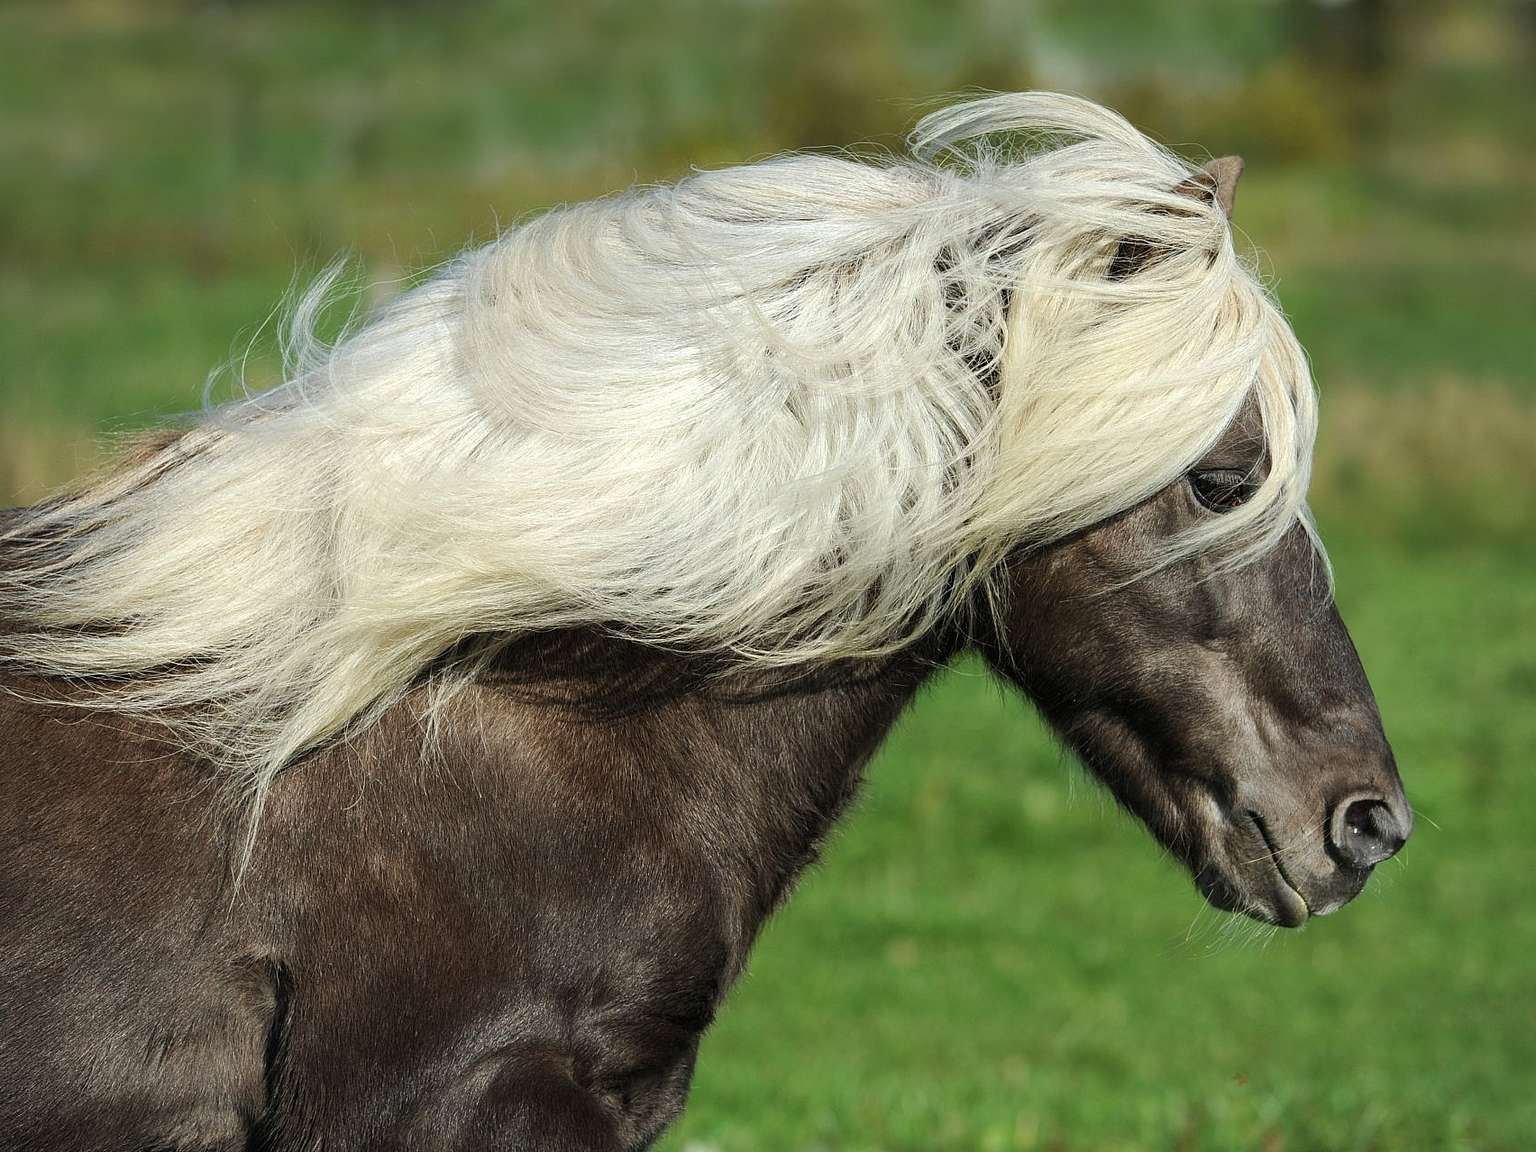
{"x": 513, "y": 940}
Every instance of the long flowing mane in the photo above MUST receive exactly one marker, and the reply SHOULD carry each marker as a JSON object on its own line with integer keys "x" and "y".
{"x": 794, "y": 411}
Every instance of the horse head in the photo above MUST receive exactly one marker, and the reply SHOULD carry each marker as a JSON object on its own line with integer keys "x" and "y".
{"x": 1222, "y": 704}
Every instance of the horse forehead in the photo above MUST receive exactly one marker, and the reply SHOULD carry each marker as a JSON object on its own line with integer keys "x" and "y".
{"x": 1243, "y": 442}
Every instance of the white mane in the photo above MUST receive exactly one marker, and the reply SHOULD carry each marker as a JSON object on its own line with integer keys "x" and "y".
{"x": 785, "y": 410}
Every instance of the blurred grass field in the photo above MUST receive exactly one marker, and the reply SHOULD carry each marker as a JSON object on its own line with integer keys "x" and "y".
{"x": 990, "y": 957}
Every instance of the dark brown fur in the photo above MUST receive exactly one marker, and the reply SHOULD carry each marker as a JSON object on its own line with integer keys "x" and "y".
{"x": 513, "y": 943}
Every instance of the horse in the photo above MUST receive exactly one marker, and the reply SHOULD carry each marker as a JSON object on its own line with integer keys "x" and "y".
{"x": 407, "y": 756}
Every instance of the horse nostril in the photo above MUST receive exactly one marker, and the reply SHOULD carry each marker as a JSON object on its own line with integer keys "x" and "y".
{"x": 1365, "y": 831}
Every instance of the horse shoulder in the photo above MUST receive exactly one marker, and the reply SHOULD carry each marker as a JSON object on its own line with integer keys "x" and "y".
{"x": 133, "y": 1014}
{"x": 516, "y": 943}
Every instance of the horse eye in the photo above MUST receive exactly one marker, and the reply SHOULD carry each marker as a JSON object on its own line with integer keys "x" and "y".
{"x": 1221, "y": 489}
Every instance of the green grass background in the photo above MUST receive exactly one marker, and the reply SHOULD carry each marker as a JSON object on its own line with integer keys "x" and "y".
{"x": 990, "y": 957}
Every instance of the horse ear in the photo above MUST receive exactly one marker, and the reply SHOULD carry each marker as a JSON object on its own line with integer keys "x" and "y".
{"x": 1216, "y": 181}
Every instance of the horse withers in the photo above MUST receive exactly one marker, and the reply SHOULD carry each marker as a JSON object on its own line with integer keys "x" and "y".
{"x": 407, "y": 757}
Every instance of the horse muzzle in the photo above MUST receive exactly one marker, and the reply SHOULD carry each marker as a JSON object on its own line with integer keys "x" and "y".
{"x": 1279, "y": 865}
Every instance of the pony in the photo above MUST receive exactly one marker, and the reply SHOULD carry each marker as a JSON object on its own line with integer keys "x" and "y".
{"x": 407, "y": 756}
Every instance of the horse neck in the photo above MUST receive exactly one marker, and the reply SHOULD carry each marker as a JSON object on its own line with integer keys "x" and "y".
{"x": 748, "y": 767}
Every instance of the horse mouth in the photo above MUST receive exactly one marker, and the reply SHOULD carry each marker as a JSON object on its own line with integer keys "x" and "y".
{"x": 1253, "y": 879}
